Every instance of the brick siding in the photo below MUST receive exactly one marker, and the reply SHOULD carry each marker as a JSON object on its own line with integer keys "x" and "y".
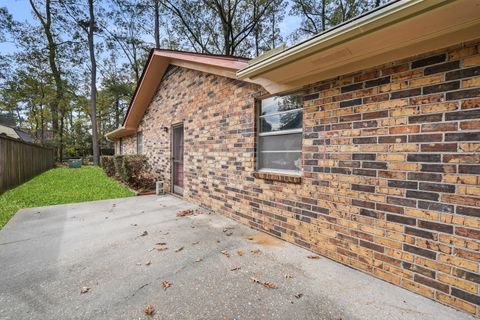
{"x": 391, "y": 167}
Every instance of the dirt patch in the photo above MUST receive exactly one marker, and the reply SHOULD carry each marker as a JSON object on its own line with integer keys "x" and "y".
{"x": 266, "y": 240}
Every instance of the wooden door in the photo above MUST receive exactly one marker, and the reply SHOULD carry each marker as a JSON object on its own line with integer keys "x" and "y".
{"x": 177, "y": 159}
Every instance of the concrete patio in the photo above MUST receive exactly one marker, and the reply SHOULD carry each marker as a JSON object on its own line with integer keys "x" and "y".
{"x": 48, "y": 254}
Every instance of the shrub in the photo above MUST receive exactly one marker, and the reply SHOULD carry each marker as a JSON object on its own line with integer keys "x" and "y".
{"x": 133, "y": 167}
{"x": 118, "y": 164}
{"x": 108, "y": 165}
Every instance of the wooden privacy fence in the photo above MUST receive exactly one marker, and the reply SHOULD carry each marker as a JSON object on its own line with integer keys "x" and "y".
{"x": 21, "y": 161}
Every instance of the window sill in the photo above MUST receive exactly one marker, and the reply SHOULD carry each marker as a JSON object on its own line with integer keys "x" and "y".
{"x": 281, "y": 177}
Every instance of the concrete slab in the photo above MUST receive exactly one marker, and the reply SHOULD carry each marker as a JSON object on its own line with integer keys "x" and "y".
{"x": 48, "y": 254}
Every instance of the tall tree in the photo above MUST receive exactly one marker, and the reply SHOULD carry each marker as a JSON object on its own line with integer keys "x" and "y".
{"x": 93, "y": 82}
{"x": 56, "y": 105}
{"x": 156, "y": 18}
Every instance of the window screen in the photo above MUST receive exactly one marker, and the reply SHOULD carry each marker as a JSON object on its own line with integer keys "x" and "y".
{"x": 280, "y": 133}
{"x": 139, "y": 142}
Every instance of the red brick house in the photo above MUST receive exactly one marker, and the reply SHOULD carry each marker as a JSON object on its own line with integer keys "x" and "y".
{"x": 361, "y": 144}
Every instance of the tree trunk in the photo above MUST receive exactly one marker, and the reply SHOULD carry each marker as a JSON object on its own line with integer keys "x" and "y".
{"x": 157, "y": 23}
{"x": 93, "y": 84}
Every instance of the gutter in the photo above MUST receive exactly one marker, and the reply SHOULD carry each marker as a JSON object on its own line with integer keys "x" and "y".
{"x": 370, "y": 22}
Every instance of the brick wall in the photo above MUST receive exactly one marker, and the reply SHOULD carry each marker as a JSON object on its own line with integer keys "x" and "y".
{"x": 391, "y": 162}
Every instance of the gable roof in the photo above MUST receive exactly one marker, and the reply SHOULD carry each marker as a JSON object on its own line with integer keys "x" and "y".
{"x": 156, "y": 66}
{"x": 400, "y": 29}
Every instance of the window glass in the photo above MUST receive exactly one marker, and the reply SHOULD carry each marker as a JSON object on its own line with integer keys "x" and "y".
{"x": 139, "y": 142}
{"x": 280, "y": 133}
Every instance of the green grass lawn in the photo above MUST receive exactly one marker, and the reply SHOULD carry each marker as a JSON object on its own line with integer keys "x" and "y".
{"x": 59, "y": 186}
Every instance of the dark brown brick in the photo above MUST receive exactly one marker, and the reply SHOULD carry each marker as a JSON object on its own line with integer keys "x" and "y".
{"x": 473, "y": 169}
{"x": 403, "y": 184}
{"x": 423, "y": 157}
{"x": 452, "y": 65}
{"x": 424, "y": 176}
{"x": 350, "y": 118}
{"x": 440, "y": 227}
{"x": 463, "y": 136}
{"x": 419, "y": 251}
{"x": 371, "y": 214}
{"x": 473, "y": 298}
{"x": 463, "y": 73}
{"x": 372, "y": 246}
{"x": 431, "y": 283}
{"x": 425, "y": 138}
{"x": 363, "y": 204}
{"x": 463, "y": 94}
{"x": 363, "y": 188}
{"x": 468, "y": 211}
{"x": 474, "y": 277}
{"x": 438, "y": 168}
{"x": 402, "y": 202}
{"x": 442, "y": 87}
{"x": 435, "y": 206}
{"x": 389, "y": 208}
{"x": 426, "y": 118}
{"x": 375, "y": 115}
{"x": 462, "y": 115}
{"x": 422, "y": 195}
{"x": 374, "y": 165}
{"x": 429, "y": 61}
{"x": 312, "y": 96}
{"x": 447, "y": 188}
{"x": 364, "y": 156}
{"x": 417, "y": 269}
{"x": 352, "y": 87}
{"x": 365, "y": 140}
{"x": 401, "y": 219}
{"x": 350, "y": 103}
{"x": 420, "y": 233}
{"x": 439, "y": 147}
{"x": 406, "y": 93}
{"x": 365, "y": 124}
{"x": 392, "y": 139}
{"x": 365, "y": 172}
{"x": 377, "y": 82}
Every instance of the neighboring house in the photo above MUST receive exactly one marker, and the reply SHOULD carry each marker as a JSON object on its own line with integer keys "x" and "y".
{"x": 361, "y": 144}
{"x": 8, "y": 127}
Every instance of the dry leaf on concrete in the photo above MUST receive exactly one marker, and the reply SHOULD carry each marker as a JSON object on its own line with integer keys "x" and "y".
{"x": 225, "y": 252}
{"x": 255, "y": 280}
{"x": 270, "y": 285}
{"x": 149, "y": 310}
{"x": 179, "y": 249}
{"x": 313, "y": 257}
{"x": 287, "y": 276}
{"x": 148, "y": 263}
{"x": 166, "y": 285}
{"x": 199, "y": 260}
{"x": 84, "y": 289}
{"x": 185, "y": 213}
{"x": 256, "y": 251}
{"x": 144, "y": 233}
{"x": 235, "y": 269}
{"x": 239, "y": 252}
{"x": 299, "y": 295}
{"x": 196, "y": 242}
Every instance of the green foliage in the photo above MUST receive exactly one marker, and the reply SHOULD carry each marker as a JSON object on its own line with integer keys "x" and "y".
{"x": 133, "y": 170}
{"x": 108, "y": 165}
{"x": 60, "y": 186}
{"x": 118, "y": 164}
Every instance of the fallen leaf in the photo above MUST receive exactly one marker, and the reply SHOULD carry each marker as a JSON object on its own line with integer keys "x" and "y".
{"x": 287, "y": 276}
{"x": 162, "y": 249}
{"x": 199, "y": 260}
{"x": 239, "y": 252}
{"x": 166, "y": 284}
{"x": 196, "y": 242}
{"x": 228, "y": 234}
{"x": 313, "y": 257}
{"x": 149, "y": 310}
{"x": 84, "y": 289}
{"x": 270, "y": 285}
{"x": 369, "y": 302}
{"x": 179, "y": 249}
{"x": 218, "y": 241}
{"x": 160, "y": 243}
{"x": 185, "y": 213}
{"x": 225, "y": 252}
{"x": 250, "y": 238}
{"x": 235, "y": 269}
{"x": 148, "y": 263}
{"x": 227, "y": 228}
{"x": 255, "y": 280}
{"x": 255, "y": 251}
{"x": 144, "y": 233}
{"x": 134, "y": 224}
{"x": 179, "y": 269}
{"x": 299, "y": 295}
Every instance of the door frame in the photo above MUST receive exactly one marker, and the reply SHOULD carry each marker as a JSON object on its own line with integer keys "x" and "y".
{"x": 172, "y": 166}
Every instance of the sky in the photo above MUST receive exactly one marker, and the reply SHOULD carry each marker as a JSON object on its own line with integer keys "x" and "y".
{"x": 20, "y": 10}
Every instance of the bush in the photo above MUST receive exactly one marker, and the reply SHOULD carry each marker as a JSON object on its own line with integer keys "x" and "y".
{"x": 133, "y": 171}
{"x": 118, "y": 164}
{"x": 108, "y": 165}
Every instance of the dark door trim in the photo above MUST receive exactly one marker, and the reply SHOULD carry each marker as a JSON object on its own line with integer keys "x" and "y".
{"x": 176, "y": 163}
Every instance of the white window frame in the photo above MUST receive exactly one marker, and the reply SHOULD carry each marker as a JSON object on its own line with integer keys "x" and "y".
{"x": 258, "y": 150}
